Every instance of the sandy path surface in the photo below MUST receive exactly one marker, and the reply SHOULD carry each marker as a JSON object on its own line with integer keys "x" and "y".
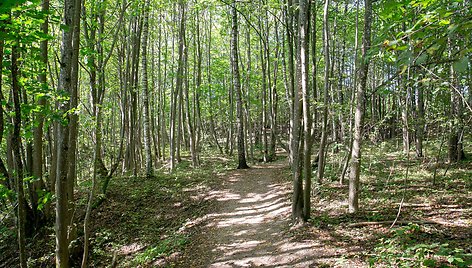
{"x": 250, "y": 224}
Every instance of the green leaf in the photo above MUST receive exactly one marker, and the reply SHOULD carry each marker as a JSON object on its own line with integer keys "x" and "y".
{"x": 64, "y": 27}
{"x": 461, "y": 65}
{"x": 429, "y": 263}
{"x": 422, "y": 59}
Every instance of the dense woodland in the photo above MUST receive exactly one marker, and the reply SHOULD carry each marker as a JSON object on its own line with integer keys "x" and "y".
{"x": 97, "y": 91}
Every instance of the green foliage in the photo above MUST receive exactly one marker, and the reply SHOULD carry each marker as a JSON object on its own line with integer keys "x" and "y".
{"x": 5, "y": 193}
{"x": 163, "y": 248}
{"x": 6, "y": 232}
{"x": 45, "y": 197}
{"x": 416, "y": 33}
{"x": 402, "y": 249}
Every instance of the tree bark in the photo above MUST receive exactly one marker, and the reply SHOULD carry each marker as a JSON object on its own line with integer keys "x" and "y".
{"x": 290, "y": 89}
{"x": 307, "y": 141}
{"x": 37, "y": 165}
{"x": 352, "y": 97}
{"x": 419, "y": 131}
{"x": 16, "y": 144}
{"x": 237, "y": 87}
{"x": 324, "y": 128}
{"x": 64, "y": 87}
{"x": 3, "y": 168}
{"x": 145, "y": 88}
{"x": 297, "y": 137}
{"x": 359, "y": 115}
{"x": 174, "y": 118}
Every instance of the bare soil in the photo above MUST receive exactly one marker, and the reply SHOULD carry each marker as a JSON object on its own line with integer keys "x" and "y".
{"x": 250, "y": 226}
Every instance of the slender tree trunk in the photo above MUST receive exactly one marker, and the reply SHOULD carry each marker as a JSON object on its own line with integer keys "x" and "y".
{"x": 314, "y": 68}
{"x": 324, "y": 128}
{"x": 307, "y": 142}
{"x": 237, "y": 88}
{"x": 359, "y": 116}
{"x": 274, "y": 99}
{"x": 210, "y": 94}
{"x": 264, "y": 64}
{"x": 16, "y": 144}
{"x": 405, "y": 103}
{"x": 341, "y": 73}
{"x": 154, "y": 108}
{"x": 455, "y": 141}
{"x": 3, "y": 168}
{"x": 178, "y": 87}
{"x": 145, "y": 88}
{"x": 189, "y": 123}
{"x": 419, "y": 137}
{"x": 162, "y": 99}
{"x": 250, "y": 129}
{"x": 65, "y": 85}
{"x": 352, "y": 97}
{"x": 196, "y": 106}
{"x": 180, "y": 120}
{"x": 229, "y": 137}
{"x": 291, "y": 98}
{"x": 73, "y": 124}
{"x": 37, "y": 165}
{"x": 297, "y": 137}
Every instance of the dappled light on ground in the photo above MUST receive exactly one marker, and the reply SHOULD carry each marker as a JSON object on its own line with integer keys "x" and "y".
{"x": 252, "y": 226}
{"x": 249, "y": 222}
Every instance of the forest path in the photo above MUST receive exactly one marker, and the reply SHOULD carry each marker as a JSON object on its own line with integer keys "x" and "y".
{"x": 250, "y": 224}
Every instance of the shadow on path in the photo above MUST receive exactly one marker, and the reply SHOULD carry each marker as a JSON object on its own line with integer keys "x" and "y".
{"x": 251, "y": 222}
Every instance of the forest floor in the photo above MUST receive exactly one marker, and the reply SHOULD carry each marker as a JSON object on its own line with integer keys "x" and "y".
{"x": 250, "y": 225}
{"x": 430, "y": 202}
{"x": 216, "y": 216}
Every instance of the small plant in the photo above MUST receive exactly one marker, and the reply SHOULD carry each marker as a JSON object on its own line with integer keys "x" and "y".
{"x": 164, "y": 248}
{"x": 403, "y": 250}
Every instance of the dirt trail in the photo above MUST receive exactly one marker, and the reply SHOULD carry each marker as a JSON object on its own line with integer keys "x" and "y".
{"x": 250, "y": 224}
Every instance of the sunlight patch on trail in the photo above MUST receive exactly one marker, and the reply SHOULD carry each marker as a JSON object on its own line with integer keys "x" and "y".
{"x": 250, "y": 225}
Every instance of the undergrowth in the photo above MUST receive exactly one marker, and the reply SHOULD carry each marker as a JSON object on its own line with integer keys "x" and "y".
{"x": 402, "y": 248}
{"x": 435, "y": 198}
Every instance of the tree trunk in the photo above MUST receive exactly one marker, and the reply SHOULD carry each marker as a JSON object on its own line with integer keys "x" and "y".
{"x": 455, "y": 147}
{"x": 324, "y": 128}
{"x": 188, "y": 120}
{"x": 297, "y": 137}
{"x": 274, "y": 99}
{"x": 352, "y": 97}
{"x": 145, "y": 88}
{"x": 65, "y": 85}
{"x": 419, "y": 126}
{"x": 249, "y": 128}
{"x": 304, "y": 58}
{"x": 174, "y": 118}
{"x": 404, "y": 102}
{"x": 237, "y": 88}
{"x": 37, "y": 165}
{"x": 359, "y": 115}
{"x": 16, "y": 144}
{"x": 264, "y": 64}
{"x": 290, "y": 90}
{"x": 3, "y": 168}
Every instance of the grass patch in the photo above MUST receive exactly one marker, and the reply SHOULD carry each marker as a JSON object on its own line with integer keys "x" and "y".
{"x": 441, "y": 211}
